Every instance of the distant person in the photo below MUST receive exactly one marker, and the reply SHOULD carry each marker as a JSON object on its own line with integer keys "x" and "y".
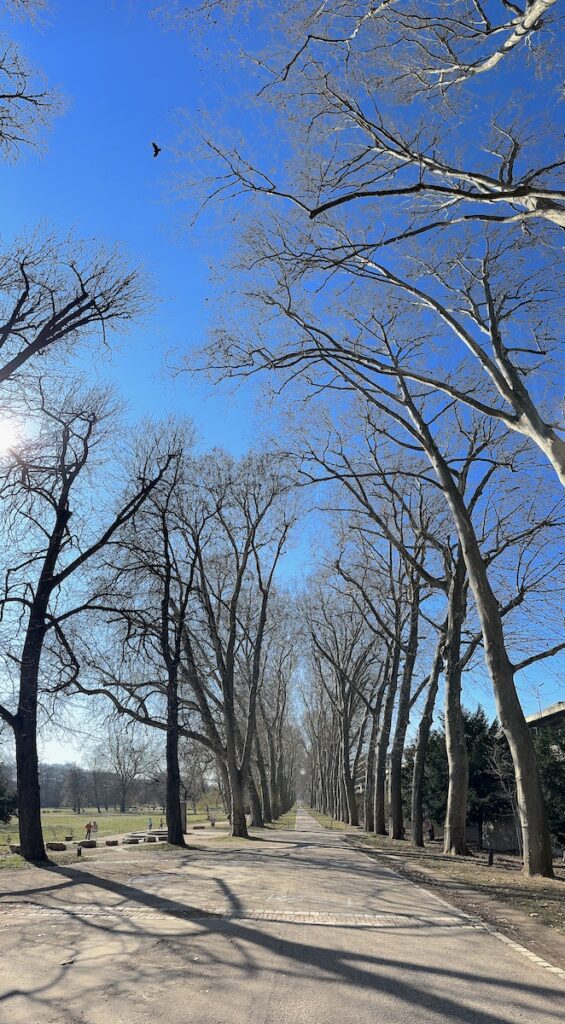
{"x": 88, "y": 829}
{"x": 161, "y": 823}
{"x": 95, "y": 827}
{"x": 431, "y": 833}
{"x": 149, "y": 824}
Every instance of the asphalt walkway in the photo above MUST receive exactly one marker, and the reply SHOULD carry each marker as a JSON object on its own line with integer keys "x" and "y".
{"x": 291, "y": 928}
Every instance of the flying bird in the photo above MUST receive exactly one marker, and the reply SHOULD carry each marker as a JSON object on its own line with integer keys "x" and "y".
{"x": 156, "y": 149}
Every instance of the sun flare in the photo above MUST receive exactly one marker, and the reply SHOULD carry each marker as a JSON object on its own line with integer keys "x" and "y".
{"x": 9, "y": 435}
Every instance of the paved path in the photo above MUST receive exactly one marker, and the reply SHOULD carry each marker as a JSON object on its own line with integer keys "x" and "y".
{"x": 292, "y": 928}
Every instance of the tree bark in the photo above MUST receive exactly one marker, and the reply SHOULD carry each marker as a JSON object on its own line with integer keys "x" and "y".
{"x": 237, "y": 803}
{"x": 256, "y": 810}
{"x": 417, "y": 824}
{"x": 349, "y": 798}
{"x": 382, "y": 743}
{"x": 396, "y": 820}
{"x": 175, "y": 834}
{"x": 29, "y": 803}
{"x": 455, "y": 838}
{"x": 263, "y": 781}
{"x": 369, "y": 796}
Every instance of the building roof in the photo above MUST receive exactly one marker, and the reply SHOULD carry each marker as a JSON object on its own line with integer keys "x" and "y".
{"x": 548, "y": 716}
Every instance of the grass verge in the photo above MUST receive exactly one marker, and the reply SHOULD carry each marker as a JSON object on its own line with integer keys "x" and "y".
{"x": 286, "y": 820}
{"x": 326, "y": 821}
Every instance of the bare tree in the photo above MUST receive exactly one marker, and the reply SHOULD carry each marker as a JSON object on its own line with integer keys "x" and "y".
{"x": 152, "y": 578}
{"x": 424, "y": 46}
{"x": 129, "y": 757}
{"x": 27, "y": 105}
{"x": 53, "y": 294}
{"x": 52, "y": 544}
{"x": 237, "y": 555}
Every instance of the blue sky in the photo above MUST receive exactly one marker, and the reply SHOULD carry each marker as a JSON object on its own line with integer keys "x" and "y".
{"x": 123, "y": 80}
{"x": 126, "y": 82}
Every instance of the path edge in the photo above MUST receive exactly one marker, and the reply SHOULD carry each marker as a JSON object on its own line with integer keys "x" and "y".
{"x": 477, "y": 922}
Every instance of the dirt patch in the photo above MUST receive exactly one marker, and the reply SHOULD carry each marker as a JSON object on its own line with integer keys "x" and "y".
{"x": 531, "y": 911}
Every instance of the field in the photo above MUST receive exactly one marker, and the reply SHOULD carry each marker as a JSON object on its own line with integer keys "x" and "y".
{"x": 58, "y": 823}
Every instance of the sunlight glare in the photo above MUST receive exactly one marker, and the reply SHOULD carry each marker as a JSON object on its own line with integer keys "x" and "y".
{"x": 9, "y": 435}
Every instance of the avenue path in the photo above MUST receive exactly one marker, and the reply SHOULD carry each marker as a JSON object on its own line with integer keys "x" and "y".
{"x": 291, "y": 928}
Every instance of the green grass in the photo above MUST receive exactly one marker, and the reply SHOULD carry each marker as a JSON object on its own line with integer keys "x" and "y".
{"x": 326, "y": 821}
{"x": 287, "y": 820}
{"x": 57, "y": 824}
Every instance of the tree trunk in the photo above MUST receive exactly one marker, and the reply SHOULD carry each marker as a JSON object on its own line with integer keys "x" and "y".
{"x": 273, "y": 781}
{"x": 29, "y": 803}
{"x": 382, "y": 745}
{"x": 25, "y": 735}
{"x": 455, "y": 838}
{"x": 396, "y": 820}
{"x": 224, "y": 785}
{"x": 175, "y": 834}
{"x": 256, "y": 810}
{"x": 263, "y": 781}
{"x": 237, "y": 803}
{"x": 369, "y": 797}
{"x": 417, "y": 826}
{"x": 531, "y": 807}
{"x": 349, "y": 798}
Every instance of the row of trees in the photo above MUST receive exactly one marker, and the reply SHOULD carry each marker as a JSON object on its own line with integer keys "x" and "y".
{"x": 391, "y": 619}
{"x": 163, "y": 603}
{"x": 134, "y": 570}
{"x": 402, "y": 258}
{"x": 400, "y": 283}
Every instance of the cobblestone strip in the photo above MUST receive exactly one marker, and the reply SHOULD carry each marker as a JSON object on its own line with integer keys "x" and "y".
{"x": 356, "y": 920}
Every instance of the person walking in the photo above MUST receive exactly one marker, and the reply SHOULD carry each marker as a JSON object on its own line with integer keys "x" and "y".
{"x": 150, "y": 824}
{"x": 88, "y": 829}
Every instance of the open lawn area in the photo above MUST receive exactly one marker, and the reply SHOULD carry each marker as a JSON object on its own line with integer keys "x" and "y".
{"x": 59, "y": 823}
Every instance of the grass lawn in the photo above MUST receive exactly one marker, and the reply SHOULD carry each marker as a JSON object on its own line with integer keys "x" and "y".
{"x": 286, "y": 820}
{"x": 326, "y": 821}
{"x": 540, "y": 898}
{"x": 57, "y": 824}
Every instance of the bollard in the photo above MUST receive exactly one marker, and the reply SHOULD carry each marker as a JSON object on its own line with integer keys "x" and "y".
{"x": 490, "y": 857}
{"x": 79, "y": 851}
